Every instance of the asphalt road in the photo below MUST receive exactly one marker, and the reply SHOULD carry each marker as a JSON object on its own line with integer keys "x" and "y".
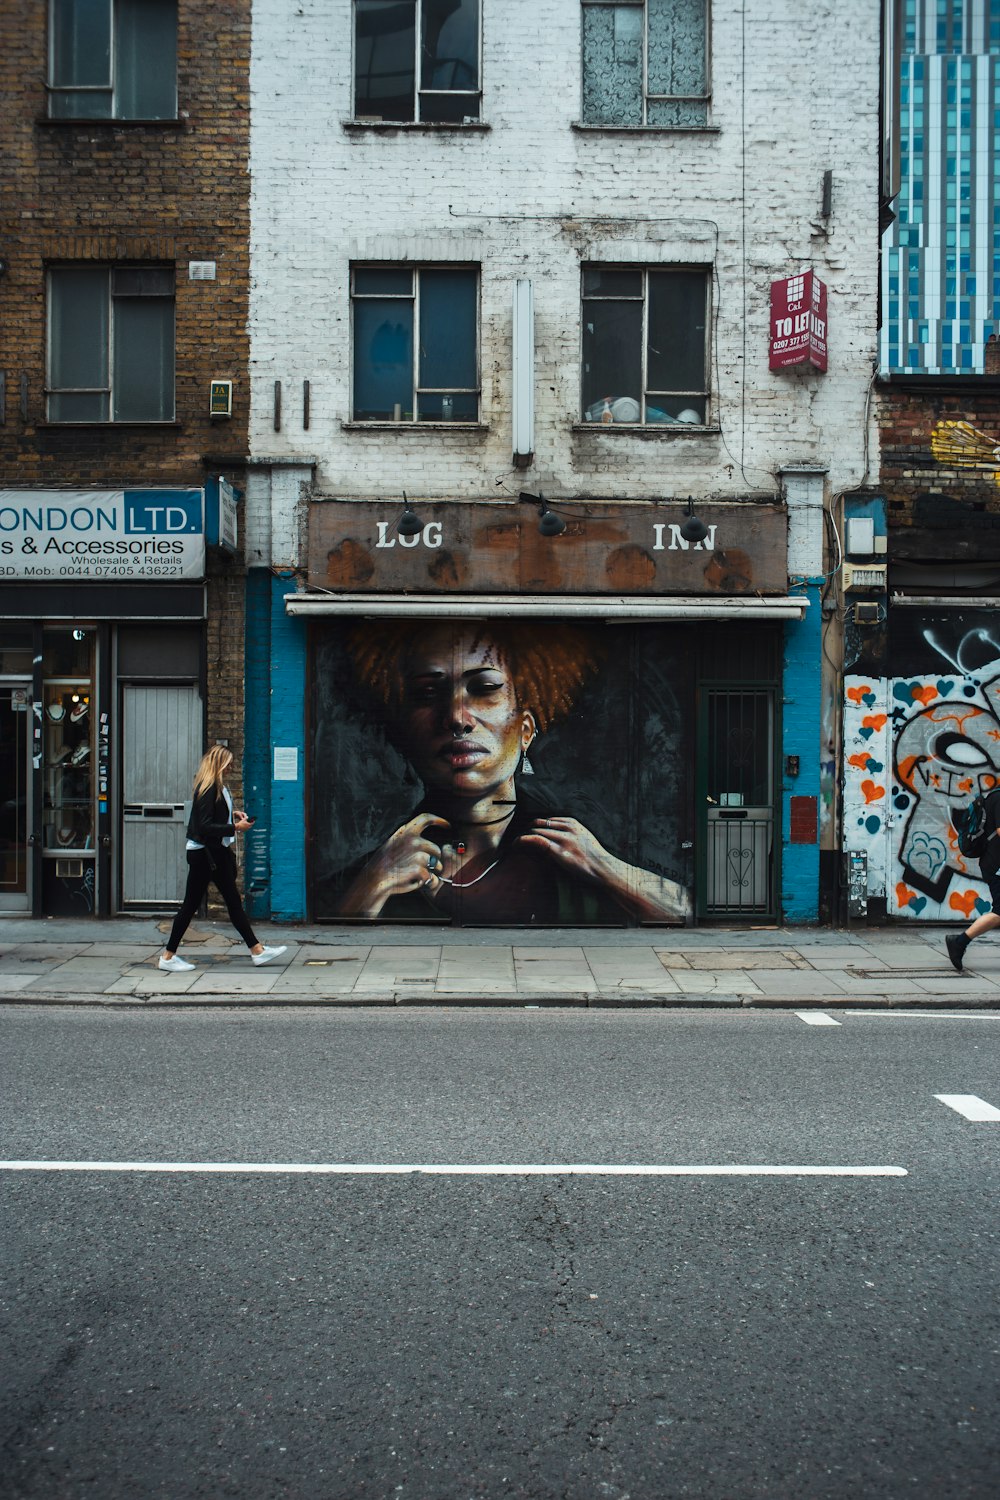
{"x": 441, "y": 1337}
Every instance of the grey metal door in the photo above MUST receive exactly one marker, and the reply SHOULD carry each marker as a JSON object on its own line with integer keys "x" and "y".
{"x": 15, "y": 794}
{"x": 161, "y": 747}
{"x": 740, "y": 813}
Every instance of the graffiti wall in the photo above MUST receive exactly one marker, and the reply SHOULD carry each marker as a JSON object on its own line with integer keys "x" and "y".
{"x": 918, "y": 746}
{"x": 500, "y": 773}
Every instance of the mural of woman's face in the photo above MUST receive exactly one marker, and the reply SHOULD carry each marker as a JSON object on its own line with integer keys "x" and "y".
{"x": 460, "y": 725}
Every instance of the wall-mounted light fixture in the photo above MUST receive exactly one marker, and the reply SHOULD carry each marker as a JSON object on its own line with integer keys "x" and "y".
{"x": 410, "y": 523}
{"x": 694, "y": 529}
{"x": 549, "y": 524}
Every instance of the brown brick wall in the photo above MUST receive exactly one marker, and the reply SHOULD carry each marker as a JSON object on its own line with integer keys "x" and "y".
{"x": 100, "y": 193}
{"x": 909, "y": 470}
{"x": 104, "y": 192}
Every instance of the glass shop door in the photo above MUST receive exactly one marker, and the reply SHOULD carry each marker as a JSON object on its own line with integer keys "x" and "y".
{"x": 15, "y": 793}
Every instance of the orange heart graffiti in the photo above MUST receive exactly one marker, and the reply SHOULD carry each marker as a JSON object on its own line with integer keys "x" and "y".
{"x": 872, "y": 792}
{"x": 962, "y": 901}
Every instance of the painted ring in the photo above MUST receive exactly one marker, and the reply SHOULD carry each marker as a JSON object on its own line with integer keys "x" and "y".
{"x": 432, "y": 861}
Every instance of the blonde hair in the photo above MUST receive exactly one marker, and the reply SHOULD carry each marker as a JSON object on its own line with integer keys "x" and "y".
{"x": 213, "y": 766}
{"x": 548, "y": 662}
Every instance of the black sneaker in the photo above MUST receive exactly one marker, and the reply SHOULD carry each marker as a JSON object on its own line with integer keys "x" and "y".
{"x": 956, "y": 944}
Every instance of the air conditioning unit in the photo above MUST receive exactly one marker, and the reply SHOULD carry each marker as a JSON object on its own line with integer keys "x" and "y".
{"x": 865, "y": 576}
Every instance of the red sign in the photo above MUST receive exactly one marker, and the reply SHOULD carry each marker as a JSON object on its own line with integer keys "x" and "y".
{"x": 798, "y": 321}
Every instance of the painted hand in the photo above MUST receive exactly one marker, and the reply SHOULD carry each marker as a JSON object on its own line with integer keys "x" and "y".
{"x": 571, "y": 845}
{"x": 648, "y": 896}
{"x": 406, "y": 861}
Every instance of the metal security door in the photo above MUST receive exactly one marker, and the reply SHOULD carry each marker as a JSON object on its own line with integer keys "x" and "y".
{"x": 15, "y": 796}
{"x": 161, "y": 747}
{"x": 739, "y": 841}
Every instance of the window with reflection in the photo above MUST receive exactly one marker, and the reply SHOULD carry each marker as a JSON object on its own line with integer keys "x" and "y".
{"x": 113, "y": 59}
{"x": 645, "y": 345}
{"x": 415, "y": 339}
{"x": 416, "y": 61}
{"x": 111, "y": 344}
{"x": 645, "y": 62}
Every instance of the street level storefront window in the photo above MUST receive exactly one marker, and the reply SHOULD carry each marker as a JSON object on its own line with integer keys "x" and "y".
{"x": 111, "y": 344}
{"x": 645, "y": 63}
{"x": 645, "y": 346}
{"x": 113, "y": 60}
{"x": 416, "y": 60}
{"x": 68, "y": 741}
{"x": 433, "y": 377}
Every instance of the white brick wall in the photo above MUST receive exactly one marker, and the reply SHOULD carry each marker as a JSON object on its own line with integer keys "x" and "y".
{"x": 532, "y": 197}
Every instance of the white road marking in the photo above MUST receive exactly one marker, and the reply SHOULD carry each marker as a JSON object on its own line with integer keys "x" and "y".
{"x": 435, "y": 1169}
{"x": 930, "y": 1015}
{"x": 816, "y": 1018}
{"x": 970, "y": 1105}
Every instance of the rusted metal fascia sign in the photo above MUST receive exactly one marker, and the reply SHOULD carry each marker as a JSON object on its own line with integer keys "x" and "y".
{"x": 608, "y": 547}
{"x": 798, "y": 322}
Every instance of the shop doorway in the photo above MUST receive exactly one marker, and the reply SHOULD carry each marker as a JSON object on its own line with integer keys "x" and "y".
{"x": 161, "y": 746}
{"x": 15, "y": 797}
{"x": 738, "y": 764}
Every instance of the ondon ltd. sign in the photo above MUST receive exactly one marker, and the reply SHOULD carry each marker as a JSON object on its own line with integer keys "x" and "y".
{"x": 116, "y": 536}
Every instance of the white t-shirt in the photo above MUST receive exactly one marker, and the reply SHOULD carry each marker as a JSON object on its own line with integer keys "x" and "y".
{"x": 192, "y": 844}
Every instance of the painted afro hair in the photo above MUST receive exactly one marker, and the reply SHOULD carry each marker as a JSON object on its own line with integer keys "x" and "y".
{"x": 548, "y": 661}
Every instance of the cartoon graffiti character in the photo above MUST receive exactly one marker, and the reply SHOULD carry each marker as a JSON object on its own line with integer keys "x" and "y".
{"x": 944, "y": 755}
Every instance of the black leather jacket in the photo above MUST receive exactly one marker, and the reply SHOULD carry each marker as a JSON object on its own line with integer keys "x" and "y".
{"x": 210, "y": 822}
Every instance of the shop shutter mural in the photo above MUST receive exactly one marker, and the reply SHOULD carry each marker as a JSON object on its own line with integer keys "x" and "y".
{"x": 502, "y": 772}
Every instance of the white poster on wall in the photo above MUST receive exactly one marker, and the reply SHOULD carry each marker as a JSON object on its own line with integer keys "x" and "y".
{"x": 286, "y": 763}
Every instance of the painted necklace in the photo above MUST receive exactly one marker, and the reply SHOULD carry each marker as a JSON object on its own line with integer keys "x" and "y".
{"x": 463, "y": 885}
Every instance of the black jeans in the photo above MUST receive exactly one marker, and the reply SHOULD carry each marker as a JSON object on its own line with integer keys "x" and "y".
{"x": 200, "y": 876}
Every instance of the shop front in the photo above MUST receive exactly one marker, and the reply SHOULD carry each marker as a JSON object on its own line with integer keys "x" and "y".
{"x": 511, "y": 726}
{"x": 102, "y": 671}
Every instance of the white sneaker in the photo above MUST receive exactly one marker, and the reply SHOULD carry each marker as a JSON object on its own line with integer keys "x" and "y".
{"x": 175, "y": 965}
{"x": 266, "y": 954}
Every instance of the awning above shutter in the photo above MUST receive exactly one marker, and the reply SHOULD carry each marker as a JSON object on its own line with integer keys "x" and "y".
{"x": 559, "y": 606}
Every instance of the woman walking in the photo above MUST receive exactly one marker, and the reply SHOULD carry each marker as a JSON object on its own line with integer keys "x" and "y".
{"x": 212, "y": 829}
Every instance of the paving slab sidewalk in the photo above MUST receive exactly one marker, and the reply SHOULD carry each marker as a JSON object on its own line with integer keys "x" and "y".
{"x": 70, "y": 961}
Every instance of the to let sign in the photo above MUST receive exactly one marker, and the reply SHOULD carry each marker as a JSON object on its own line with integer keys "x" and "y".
{"x": 798, "y": 322}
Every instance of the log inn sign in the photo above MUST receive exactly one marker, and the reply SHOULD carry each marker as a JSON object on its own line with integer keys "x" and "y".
{"x": 608, "y": 547}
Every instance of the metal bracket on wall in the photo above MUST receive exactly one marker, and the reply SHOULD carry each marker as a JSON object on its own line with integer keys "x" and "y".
{"x": 277, "y": 406}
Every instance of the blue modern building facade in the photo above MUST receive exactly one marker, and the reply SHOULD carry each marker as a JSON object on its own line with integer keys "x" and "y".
{"x": 941, "y": 277}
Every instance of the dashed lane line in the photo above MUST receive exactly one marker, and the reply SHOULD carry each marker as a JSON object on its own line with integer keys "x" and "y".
{"x": 817, "y": 1018}
{"x": 971, "y": 1106}
{"x": 928, "y": 1015}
